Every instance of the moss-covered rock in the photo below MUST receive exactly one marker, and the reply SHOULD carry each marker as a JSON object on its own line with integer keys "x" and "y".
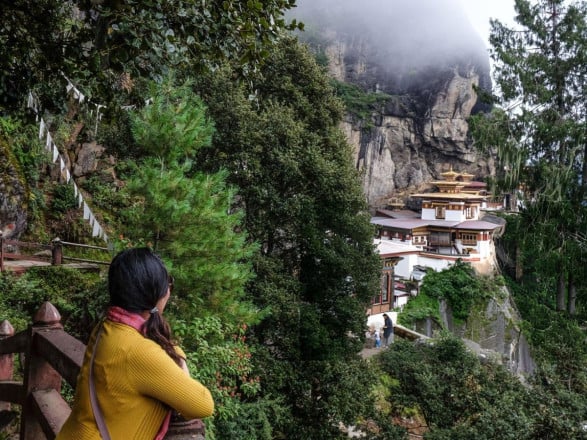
{"x": 13, "y": 193}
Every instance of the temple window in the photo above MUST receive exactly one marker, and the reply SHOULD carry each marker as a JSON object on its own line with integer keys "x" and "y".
{"x": 440, "y": 211}
{"x": 470, "y": 239}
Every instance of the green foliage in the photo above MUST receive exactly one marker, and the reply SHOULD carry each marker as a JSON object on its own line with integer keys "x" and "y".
{"x": 254, "y": 421}
{"x": 458, "y": 285}
{"x": 67, "y": 289}
{"x": 29, "y": 36}
{"x": 322, "y": 59}
{"x": 220, "y": 358}
{"x": 418, "y": 308}
{"x": 25, "y": 146}
{"x": 174, "y": 125}
{"x": 29, "y": 159}
{"x": 64, "y": 219}
{"x": 458, "y": 396}
{"x": 15, "y": 299}
{"x": 115, "y": 132}
{"x": 540, "y": 137}
{"x": 559, "y": 345}
{"x": 107, "y": 45}
{"x": 106, "y": 196}
{"x": 188, "y": 221}
{"x": 461, "y": 398}
{"x": 303, "y": 203}
{"x": 379, "y": 425}
{"x": 63, "y": 199}
{"x": 358, "y": 102}
{"x": 188, "y": 217}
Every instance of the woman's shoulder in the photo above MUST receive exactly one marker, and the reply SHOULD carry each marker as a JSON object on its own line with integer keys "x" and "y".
{"x": 128, "y": 337}
{"x": 138, "y": 349}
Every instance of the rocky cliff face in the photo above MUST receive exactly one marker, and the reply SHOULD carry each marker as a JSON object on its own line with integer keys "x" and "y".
{"x": 428, "y": 68}
{"x": 13, "y": 194}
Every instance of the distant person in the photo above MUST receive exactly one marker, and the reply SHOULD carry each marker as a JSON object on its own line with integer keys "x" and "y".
{"x": 387, "y": 330}
{"x": 377, "y": 338}
{"x": 132, "y": 374}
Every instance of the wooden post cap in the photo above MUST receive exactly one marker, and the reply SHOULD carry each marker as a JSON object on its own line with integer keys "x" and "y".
{"x": 47, "y": 315}
{"x": 6, "y": 328}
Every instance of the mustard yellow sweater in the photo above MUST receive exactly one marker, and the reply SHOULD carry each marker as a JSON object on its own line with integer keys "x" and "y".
{"x": 135, "y": 380}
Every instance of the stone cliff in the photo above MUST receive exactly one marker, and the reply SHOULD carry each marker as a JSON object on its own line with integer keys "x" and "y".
{"x": 13, "y": 194}
{"x": 428, "y": 72}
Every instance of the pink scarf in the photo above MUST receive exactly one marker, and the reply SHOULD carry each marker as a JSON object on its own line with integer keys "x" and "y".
{"x": 136, "y": 321}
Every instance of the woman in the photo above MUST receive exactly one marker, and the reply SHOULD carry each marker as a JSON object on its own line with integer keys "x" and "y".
{"x": 138, "y": 375}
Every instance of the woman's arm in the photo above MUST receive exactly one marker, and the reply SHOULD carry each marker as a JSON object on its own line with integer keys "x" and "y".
{"x": 158, "y": 376}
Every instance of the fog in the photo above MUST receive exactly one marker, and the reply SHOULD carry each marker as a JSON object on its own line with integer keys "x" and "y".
{"x": 404, "y": 35}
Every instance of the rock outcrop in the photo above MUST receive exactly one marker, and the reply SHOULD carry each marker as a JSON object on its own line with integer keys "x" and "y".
{"x": 427, "y": 72}
{"x": 13, "y": 194}
{"x": 495, "y": 333}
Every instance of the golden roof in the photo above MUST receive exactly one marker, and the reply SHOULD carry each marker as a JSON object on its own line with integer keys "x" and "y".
{"x": 450, "y": 175}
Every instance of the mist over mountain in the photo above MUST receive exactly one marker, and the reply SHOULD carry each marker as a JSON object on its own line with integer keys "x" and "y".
{"x": 403, "y": 39}
{"x": 426, "y": 61}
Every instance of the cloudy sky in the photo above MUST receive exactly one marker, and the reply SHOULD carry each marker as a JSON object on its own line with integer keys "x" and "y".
{"x": 480, "y": 11}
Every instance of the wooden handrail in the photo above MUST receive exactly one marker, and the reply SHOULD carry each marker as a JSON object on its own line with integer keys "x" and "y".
{"x": 86, "y": 246}
{"x": 56, "y": 247}
{"x": 51, "y": 356}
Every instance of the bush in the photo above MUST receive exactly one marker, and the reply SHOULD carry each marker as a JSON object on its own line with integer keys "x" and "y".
{"x": 458, "y": 285}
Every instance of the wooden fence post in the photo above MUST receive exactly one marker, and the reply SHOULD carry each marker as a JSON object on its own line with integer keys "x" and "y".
{"x": 6, "y": 360}
{"x": 56, "y": 252}
{"x": 38, "y": 374}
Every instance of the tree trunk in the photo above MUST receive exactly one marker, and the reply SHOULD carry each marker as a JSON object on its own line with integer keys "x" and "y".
{"x": 571, "y": 305}
{"x": 560, "y": 291}
{"x": 584, "y": 173}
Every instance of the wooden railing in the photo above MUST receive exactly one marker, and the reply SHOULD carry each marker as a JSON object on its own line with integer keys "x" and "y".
{"x": 406, "y": 333}
{"x": 49, "y": 356}
{"x": 48, "y": 253}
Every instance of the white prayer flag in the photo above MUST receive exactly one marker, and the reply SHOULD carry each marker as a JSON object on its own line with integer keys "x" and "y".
{"x": 96, "y": 230}
{"x": 33, "y": 103}
{"x": 98, "y": 117}
{"x": 55, "y": 153}
{"x": 41, "y": 129}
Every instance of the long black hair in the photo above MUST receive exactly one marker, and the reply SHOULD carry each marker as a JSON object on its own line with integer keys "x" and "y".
{"x": 137, "y": 279}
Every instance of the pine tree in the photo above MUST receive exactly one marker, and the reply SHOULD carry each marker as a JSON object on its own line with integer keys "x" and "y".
{"x": 189, "y": 218}
{"x": 540, "y": 132}
{"x": 304, "y": 205}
